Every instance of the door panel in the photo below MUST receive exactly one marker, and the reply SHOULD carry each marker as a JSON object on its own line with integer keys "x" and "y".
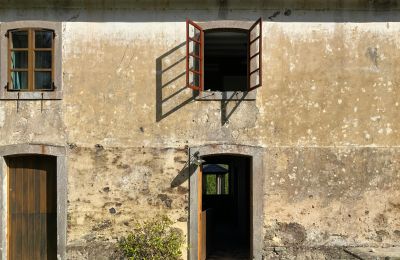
{"x": 200, "y": 214}
{"x": 32, "y": 193}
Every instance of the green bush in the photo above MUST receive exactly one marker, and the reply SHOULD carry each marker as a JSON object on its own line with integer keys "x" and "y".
{"x": 155, "y": 239}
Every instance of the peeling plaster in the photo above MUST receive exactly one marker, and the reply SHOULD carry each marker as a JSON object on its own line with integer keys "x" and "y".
{"x": 2, "y": 115}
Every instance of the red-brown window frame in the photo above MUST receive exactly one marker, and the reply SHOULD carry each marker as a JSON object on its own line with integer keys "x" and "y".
{"x": 31, "y": 59}
{"x": 251, "y": 57}
{"x": 201, "y": 55}
{"x": 189, "y": 54}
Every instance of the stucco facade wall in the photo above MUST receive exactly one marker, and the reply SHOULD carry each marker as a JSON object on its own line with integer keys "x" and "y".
{"x": 326, "y": 117}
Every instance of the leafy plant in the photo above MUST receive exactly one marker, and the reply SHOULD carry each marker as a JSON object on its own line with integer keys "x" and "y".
{"x": 155, "y": 239}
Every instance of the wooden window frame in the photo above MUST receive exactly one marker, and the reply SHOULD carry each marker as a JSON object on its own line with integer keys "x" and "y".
{"x": 31, "y": 69}
{"x": 256, "y": 55}
{"x": 201, "y": 42}
{"x": 190, "y": 53}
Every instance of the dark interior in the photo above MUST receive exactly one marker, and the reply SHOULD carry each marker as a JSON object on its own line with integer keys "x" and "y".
{"x": 228, "y": 213}
{"x": 225, "y": 60}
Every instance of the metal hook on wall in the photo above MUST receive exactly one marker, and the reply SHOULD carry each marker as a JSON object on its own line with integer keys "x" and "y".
{"x": 41, "y": 104}
{"x": 17, "y": 102}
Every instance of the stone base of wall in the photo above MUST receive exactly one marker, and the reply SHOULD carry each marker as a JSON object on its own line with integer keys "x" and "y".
{"x": 94, "y": 250}
{"x": 108, "y": 251}
{"x": 302, "y": 253}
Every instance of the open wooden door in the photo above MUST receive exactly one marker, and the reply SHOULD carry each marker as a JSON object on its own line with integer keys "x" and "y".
{"x": 201, "y": 216}
{"x": 255, "y": 56}
{"x": 32, "y": 207}
{"x": 194, "y": 55}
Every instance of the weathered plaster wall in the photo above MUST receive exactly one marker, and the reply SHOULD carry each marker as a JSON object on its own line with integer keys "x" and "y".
{"x": 372, "y": 5}
{"x": 31, "y": 122}
{"x": 336, "y": 83}
{"x": 112, "y": 188}
{"x": 321, "y": 197}
{"x": 326, "y": 116}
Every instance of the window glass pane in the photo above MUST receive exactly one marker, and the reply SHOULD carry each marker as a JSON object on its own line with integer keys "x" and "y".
{"x": 43, "y": 59}
{"x": 43, "y": 39}
{"x": 194, "y": 33}
{"x": 19, "y": 39}
{"x": 194, "y": 48}
{"x": 255, "y": 79}
{"x": 19, "y": 80}
{"x": 43, "y": 80}
{"x": 255, "y": 32}
{"x": 19, "y": 59}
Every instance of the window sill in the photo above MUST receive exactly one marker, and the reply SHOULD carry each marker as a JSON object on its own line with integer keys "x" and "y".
{"x": 38, "y": 95}
{"x": 226, "y": 95}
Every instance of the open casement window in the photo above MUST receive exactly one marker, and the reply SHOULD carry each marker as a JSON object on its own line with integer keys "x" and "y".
{"x": 30, "y": 59}
{"x": 255, "y": 56}
{"x": 194, "y": 55}
{"x": 223, "y": 59}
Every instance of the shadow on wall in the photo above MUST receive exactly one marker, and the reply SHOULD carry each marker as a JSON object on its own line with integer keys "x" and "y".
{"x": 184, "y": 174}
{"x": 188, "y": 169}
{"x": 229, "y": 104}
{"x": 171, "y": 91}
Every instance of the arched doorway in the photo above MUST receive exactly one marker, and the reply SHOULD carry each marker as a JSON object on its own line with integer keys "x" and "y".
{"x": 226, "y": 206}
{"x": 30, "y": 174}
{"x": 226, "y": 187}
{"x": 32, "y": 206}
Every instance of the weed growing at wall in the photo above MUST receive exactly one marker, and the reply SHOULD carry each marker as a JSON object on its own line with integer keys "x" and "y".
{"x": 155, "y": 239}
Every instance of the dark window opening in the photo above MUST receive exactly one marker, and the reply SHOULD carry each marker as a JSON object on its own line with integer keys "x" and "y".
{"x": 225, "y": 60}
